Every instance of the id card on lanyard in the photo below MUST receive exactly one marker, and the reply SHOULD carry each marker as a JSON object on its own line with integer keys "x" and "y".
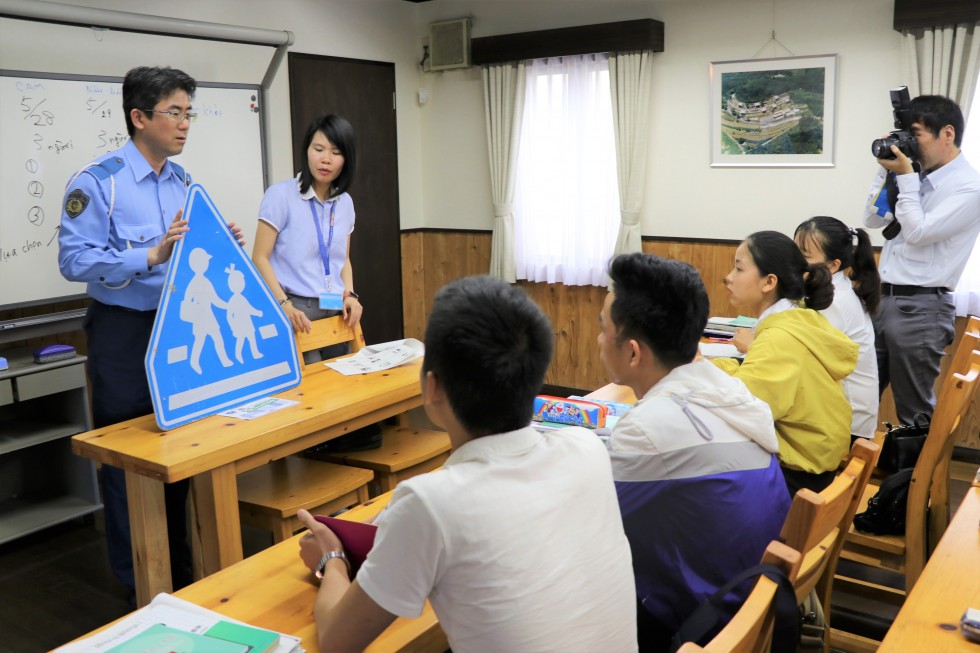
{"x": 329, "y": 301}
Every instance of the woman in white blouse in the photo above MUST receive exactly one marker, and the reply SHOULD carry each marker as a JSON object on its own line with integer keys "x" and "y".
{"x": 857, "y": 292}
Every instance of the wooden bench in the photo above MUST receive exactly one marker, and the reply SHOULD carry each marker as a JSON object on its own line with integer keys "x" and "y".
{"x": 270, "y": 496}
{"x": 405, "y": 452}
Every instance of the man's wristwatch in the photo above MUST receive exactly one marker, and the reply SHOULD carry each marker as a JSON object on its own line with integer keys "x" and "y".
{"x": 327, "y": 557}
{"x": 351, "y": 293}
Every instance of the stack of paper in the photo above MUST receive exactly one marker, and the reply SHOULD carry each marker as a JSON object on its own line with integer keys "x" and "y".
{"x": 730, "y": 324}
{"x": 183, "y": 626}
{"x": 375, "y": 358}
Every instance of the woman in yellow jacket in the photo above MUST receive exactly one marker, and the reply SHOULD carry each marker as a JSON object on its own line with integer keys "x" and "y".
{"x": 795, "y": 359}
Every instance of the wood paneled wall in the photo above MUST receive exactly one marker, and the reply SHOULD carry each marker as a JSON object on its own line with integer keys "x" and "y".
{"x": 432, "y": 258}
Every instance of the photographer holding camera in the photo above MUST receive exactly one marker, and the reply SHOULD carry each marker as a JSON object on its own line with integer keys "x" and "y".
{"x": 927, "y": 198}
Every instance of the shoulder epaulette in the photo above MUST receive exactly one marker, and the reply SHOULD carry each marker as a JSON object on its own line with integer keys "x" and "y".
{"x": 181, "y": 173}
{"x": 107, "y": 168}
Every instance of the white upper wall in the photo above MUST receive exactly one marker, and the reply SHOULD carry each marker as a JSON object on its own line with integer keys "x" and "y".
{"x": 684, "y": 195}
{"x": 442, "y": 150}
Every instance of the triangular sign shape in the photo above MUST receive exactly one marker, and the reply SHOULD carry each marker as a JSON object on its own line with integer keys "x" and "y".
{"x": 220, "y": 339}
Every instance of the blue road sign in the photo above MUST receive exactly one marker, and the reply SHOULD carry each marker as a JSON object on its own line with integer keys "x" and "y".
{"x": 220, "y": 338}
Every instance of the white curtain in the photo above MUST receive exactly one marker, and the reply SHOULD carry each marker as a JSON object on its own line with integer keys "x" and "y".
{"x": 566, "y": 206}
{"x": 630, "y": 81}
{"x": 946, "y": 61}
{"x": 503, "y": 86}
{"x": 943, "y": 61}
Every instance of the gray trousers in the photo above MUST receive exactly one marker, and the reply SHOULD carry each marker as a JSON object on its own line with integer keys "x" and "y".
{"x": 911, "y": 334}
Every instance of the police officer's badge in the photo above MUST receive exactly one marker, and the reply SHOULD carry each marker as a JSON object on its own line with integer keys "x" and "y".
{"x": 75, "y": 203}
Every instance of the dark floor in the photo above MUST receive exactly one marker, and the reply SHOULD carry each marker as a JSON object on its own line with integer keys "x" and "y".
{"x": 56, "y": 585}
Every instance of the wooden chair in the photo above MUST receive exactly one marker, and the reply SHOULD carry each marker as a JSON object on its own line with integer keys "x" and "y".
{"x": 817, "y": 524}
{"x": 405, "y": 451}
{"x": 927, "y": 512}
{"x": 750, "y": 629}
{"x": 958, "y": 362}
{"x": 270, "y": 496}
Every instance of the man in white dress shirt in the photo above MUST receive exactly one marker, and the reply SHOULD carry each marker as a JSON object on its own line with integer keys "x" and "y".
{"x": 938, "y": 211}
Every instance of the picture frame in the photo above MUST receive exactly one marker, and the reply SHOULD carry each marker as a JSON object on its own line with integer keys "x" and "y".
{"x": 773, "y": 113}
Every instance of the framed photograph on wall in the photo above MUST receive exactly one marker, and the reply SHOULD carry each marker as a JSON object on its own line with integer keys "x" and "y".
{"x": 773, "y": 112}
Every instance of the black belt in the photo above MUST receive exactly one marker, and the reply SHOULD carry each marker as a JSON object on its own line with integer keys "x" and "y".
{"x": 904, "y": 291}
{"x": 125, "y": 309}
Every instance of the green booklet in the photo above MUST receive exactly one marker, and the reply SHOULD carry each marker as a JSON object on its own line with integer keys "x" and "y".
{"x": 164, "y": 639}
{"x": 257, "y": 639}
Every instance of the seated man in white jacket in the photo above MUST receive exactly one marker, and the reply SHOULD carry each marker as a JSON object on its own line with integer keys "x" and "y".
{"x": 699, "y": 486}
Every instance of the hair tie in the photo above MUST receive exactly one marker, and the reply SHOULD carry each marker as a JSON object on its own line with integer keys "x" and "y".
{"x": 852, "y": 231}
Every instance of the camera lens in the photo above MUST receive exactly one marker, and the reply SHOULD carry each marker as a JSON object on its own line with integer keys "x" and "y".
{"x": 882, "y": 148}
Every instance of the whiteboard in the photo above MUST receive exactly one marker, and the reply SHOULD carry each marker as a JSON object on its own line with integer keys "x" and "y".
{"x": 52, "y": 125}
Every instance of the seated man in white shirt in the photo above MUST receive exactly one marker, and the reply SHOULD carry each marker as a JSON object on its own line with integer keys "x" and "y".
{"x": 517, "y": 540}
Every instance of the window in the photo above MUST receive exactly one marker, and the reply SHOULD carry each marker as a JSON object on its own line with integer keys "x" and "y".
{"x": 566, "y": 199}
{"x": 967, "y": 294}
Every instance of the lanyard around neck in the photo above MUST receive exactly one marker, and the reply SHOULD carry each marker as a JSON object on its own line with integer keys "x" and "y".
{"x": 324, "y": 249}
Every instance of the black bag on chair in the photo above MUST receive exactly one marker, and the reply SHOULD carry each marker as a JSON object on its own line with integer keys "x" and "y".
{"x": 709, "y": 617}
{"x": 886, "y": 509}
{"x": 903, "y": 444}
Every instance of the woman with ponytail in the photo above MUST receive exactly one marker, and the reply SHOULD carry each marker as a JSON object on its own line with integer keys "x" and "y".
{"x": 857, "y": 291}
{"x": 796, "y": 359}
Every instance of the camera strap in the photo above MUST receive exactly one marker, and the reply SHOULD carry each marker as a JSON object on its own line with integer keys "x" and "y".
{"x": 890, "y": 199}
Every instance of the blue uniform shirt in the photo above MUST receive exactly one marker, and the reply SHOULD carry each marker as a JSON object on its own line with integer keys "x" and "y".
{"x": 108, "y": 250}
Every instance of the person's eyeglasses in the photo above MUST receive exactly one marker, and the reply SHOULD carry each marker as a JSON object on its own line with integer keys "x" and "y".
{"x": 176, "y": 116}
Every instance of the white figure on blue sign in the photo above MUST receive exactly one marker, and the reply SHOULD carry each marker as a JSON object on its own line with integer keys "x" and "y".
{"x": 196, "y": 308}
{"x": 240, "y": 313}
{"x": 214, "y": 295}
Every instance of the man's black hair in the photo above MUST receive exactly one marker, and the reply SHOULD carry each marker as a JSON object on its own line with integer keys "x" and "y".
{"x": 144, "y": 86}
{"x": 489, "y": 346}
{"x": 660, "y": 302}
{"x": 937, "y": 111}
{"x": 339, "y": 132}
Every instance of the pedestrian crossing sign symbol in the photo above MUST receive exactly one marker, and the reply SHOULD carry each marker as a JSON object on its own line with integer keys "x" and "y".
{"x": 220, "y": 338}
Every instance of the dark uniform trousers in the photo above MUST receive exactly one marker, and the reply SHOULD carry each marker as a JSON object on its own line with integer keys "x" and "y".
{"x": 117, "y": 342}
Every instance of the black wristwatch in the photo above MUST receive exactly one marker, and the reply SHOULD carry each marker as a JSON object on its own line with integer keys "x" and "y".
{"x": 351, "y": 293}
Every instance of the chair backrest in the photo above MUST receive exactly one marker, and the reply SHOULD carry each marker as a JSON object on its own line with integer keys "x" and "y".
{"x": 817, "y": 524}
{"x": 959, "y": 362}
{"x": 927, "y": 513}
{"x": 326, "y": 332}
{"x": 750, "y": 629}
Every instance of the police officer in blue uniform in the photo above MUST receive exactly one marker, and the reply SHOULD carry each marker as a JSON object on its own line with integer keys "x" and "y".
{"x": 121, "y": 219}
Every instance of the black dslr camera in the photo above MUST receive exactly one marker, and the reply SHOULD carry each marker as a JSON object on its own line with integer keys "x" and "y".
{"x": 902, "y": 137}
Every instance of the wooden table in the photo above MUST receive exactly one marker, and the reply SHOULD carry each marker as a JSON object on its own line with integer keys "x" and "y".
{"x": 212, "y": 451}
{"x": 613, "y": 392}
{"x": 273, "y": 589}
{"x": 930, "y": 618}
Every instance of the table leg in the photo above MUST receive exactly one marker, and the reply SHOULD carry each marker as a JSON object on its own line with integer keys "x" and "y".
{"x": 148, "y": 531}
{"x": 218, "y": 523}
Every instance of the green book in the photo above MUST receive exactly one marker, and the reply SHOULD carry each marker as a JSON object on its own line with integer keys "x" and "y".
{"x": 257, "y": 639}
{"x": 163, "y": 639}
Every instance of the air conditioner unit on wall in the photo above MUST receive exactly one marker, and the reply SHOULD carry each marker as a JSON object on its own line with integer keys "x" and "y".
{"x": 449, "y": 44}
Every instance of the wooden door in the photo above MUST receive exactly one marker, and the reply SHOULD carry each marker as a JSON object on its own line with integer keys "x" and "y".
{"x": 363, "y": 92}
